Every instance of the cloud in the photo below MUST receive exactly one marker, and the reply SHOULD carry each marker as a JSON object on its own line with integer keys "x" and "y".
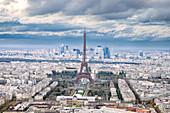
{"x": 138, "y": 32}
{"x": 12, "y": 7}
{"x": 130, "y": 20}
{"x": 39, "y": 29}
{"x": 109, "y": 9}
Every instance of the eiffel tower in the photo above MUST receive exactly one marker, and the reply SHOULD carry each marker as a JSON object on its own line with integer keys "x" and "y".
{"x": 87, "y": 75}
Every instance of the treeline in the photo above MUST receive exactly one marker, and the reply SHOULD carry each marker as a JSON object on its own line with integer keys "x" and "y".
{"x": 108, "y": 75}
{"x": 34, "y": 60}
{"x": 63, "y": 74}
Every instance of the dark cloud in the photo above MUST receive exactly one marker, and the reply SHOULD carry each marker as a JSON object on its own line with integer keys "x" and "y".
{"x": 40, "y": 7}
{"x": 18, "y": 39}
{"x": 153, "y": 14}
{"x": 145, "y": 10}
{"x": 143, "y": 20}
{"x": 18, "y": 27}
{"x": 93, "y": 7}
{"x": 119, "y": 15}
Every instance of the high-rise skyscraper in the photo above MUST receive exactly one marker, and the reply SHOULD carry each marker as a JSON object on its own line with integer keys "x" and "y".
{"x": 141, "y": 53}
{"x": 106, "y": 52}
{"x": 76, "y": 53}
{"x": 91, "y": 53}
{"x": 63, "y": 48}
{"x": 78, "y": 50}
{"x": 99, "y": 52}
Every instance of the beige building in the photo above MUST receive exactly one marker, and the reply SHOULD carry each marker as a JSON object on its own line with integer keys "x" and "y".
{"x": 76, "y": 99}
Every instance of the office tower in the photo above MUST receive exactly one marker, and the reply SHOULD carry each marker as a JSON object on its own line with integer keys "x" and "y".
{"x": 63, "y": 48}
{"x": 99, "y": 52}
{"x": 77, "y": 50}
{"x": 106, "y": 52}
{"x": 91, "y": 53}
{"x": 66, "y": 48}
{"x": 76, "y": 53}
{"x": 141, "y": 53}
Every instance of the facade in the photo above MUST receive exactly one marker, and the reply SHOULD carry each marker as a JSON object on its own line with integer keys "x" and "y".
{"x": 106, "y": 52}
{"x": 141, "y": 53}
{"x": 99, "y": 52}
{"x": 62, "y": 49}
{"x": 126, "y": 92}
{"x": 76, "y": 53}
{"x": 76, "y": 99}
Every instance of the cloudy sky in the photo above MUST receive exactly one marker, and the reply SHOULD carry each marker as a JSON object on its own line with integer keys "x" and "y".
{"x": 117, "y": 23}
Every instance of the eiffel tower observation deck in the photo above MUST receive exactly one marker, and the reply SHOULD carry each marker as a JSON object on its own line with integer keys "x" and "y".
{"x": 86, "y": 74}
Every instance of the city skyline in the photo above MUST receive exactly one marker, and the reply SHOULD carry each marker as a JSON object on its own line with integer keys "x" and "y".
{"x": 85, "y": 56}
{"x": 120, "y": 24}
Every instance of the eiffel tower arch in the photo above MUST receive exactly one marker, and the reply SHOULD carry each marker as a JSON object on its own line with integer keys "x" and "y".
{"x": 84, "y": 64}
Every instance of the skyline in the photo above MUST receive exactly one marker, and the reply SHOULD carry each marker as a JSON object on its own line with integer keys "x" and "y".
{"x": 118, "y": 24}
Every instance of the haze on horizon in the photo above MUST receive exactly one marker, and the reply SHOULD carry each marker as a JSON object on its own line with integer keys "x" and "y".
{"x": 116, "y": 23}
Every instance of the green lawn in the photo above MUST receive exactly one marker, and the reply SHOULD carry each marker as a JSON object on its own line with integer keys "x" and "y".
{"x": 84, "y": 87}
{"x": 81, "y": 93}
{"x": 69, "y": 106}
{"x": 78, "y": 106}
{"x": 70, "y": 68}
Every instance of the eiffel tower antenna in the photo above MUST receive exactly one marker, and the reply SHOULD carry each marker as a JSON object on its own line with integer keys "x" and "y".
{"x": 84, "y": 49}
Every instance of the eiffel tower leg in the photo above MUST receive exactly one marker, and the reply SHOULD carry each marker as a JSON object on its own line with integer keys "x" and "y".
{"x": 87, "y": 69}
{"x": 81, "y": 69}
{"x": 91, "y": 80}
{"x": 76, "y": 80}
